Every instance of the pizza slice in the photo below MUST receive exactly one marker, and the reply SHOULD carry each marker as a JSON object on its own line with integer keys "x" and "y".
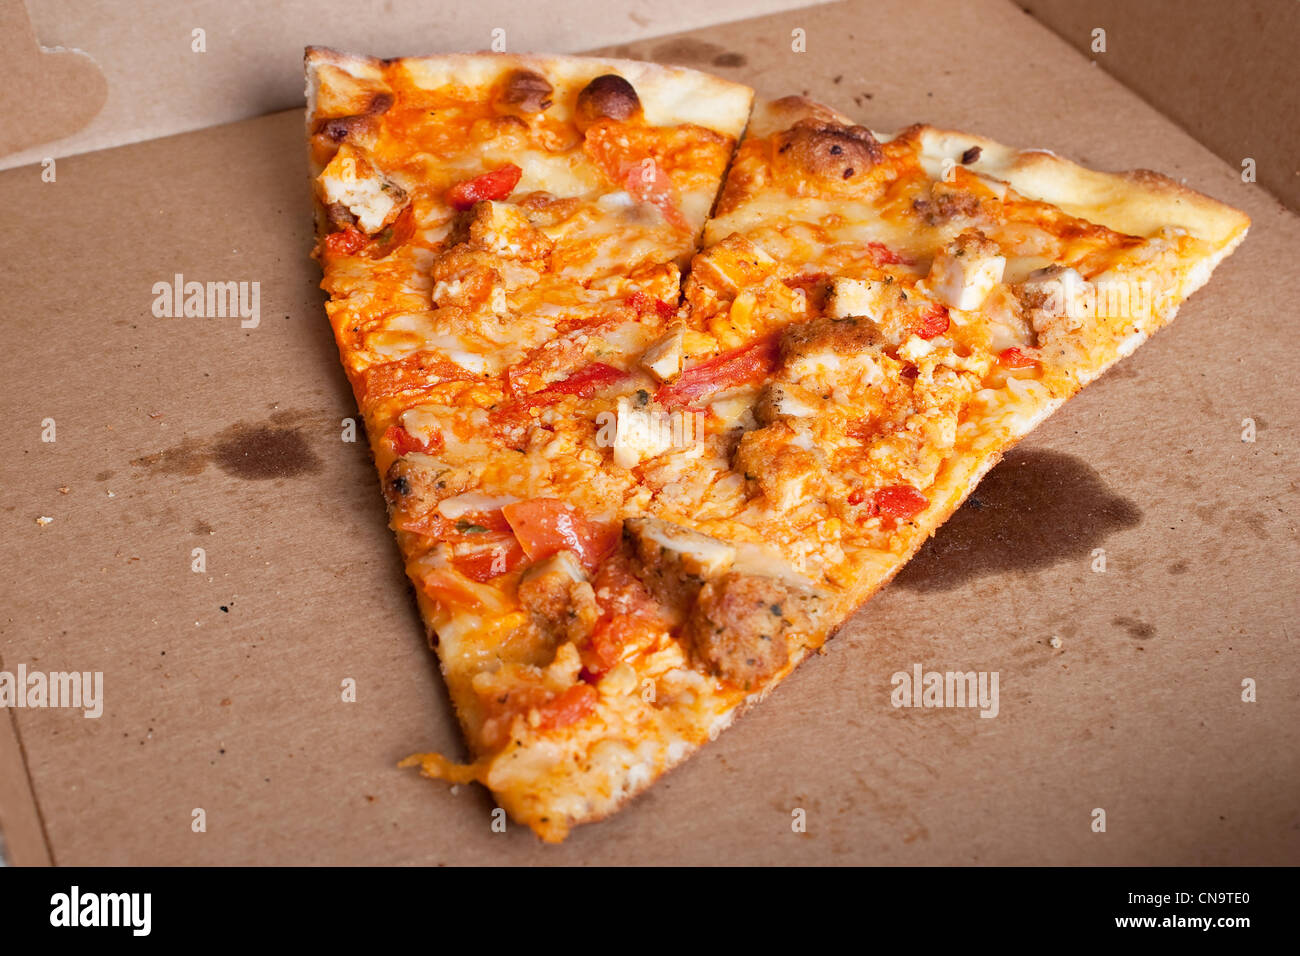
{"x": 919, "y": 303}
{"x": 502, "y": 239}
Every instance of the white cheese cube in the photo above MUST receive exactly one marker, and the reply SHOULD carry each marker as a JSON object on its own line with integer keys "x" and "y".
{"x": 963, "y": 278}
{"x": 640, "y": 432}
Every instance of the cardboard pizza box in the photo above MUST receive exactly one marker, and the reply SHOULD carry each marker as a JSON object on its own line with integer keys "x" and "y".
{"x": 217, "y": 549}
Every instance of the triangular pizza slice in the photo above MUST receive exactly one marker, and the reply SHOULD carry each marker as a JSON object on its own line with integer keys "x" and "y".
{"x": 502, "y": 238}
{"x": 919, "y": 302}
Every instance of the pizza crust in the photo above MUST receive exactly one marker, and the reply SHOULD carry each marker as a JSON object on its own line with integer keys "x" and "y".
{"x": 1137, "y": 202}
{"x": 773, "y": 116}
{"x": 670, "y": 95}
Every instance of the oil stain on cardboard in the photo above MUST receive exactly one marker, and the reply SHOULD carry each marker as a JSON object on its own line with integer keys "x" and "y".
{"x": 1036, "y": 508}
{"x": 689, "y": 51}
{"x": 252, "y": 451}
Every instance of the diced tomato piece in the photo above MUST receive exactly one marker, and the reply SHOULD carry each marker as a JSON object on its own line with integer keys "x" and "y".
{"x": 862, "y": 429}
{"x": 627, "y": 611}
{"x": 346, "y": 242}
{"x": 447, "y": 585}
{"x": 497, "y": 184}
{"x": 882, "y": 255}
{"x": 897, "y": 502}
{"x": 499, "y": 557}
{"x": 628, "y": 162}
{"x": 643, "y": 303}
{"x": 934, "y": 322}
{"x": 547, "y": 525}
{"x": 901, "y": 502}
{"x": 736, "y": 367}
{"x": 568, "y": 708}
{"x": 1016, "y": 358}
{"x": 608, "y": 640}
{"x": 403, "y": 442}
{"x": 587, "y": 381}
{"x": 583, "y": 383}
{"x": 647, "y": 182}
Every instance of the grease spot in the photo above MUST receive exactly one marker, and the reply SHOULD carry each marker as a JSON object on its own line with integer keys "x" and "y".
{"x": 262, "y": 452}
{"x": 103, "y": 475}
{"x": 1035, "y": 509}
{"x": 1137, "y": 629}
{"x": 251, "y": 451}
{"x": 688, "y": 50}
{"x": 1178, "y": 567}
{"x": 730, "y": 59}
{"x": 187, "y": 459}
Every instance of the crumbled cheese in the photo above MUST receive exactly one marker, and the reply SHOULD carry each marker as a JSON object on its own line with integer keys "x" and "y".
{"x": 915, "y": 349}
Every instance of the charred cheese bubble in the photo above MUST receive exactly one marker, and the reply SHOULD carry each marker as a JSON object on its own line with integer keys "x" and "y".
{"x": 833, "y": 155}
{"x": 609, "y": 96}
{"x": 527, "y": 91}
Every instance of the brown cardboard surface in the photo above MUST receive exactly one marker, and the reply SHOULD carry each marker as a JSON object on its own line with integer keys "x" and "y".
{"x": 222, "y": 689}
{"x": 20, "y": 819}
{"x": 1222, "y": 71}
